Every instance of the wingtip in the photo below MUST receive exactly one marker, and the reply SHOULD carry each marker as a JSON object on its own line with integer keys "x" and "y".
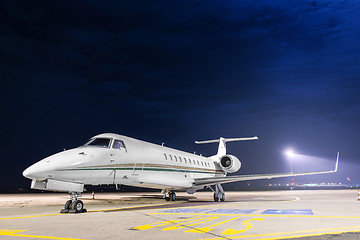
{"x": 337, "y": 162}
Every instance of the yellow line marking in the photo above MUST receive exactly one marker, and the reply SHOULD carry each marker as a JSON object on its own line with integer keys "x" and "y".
{"x": 43, "y": 215}
{"x": 160, "y": 224}
{"x": 14, "y": 233}
{"x": 131, "y": 208}
{"x": 217, "y": 205}
{"x": 231, "y": 231}
{"x": 149, "y": 205}
{"x": 209, "y": 228}
{"x": 91, "y": 211}
{"x": 311, "y": 233}
{"x": 260, "y": 215}
{"x": 193, "y": 223}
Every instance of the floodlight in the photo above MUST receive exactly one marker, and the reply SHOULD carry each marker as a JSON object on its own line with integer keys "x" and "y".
{"x": 289, "y": 153}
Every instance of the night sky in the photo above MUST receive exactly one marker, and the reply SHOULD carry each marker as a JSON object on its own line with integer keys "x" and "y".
{"x": 179, "y": 71}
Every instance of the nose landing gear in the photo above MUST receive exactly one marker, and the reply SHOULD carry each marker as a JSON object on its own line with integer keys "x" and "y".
{"x": 74, "y": 205}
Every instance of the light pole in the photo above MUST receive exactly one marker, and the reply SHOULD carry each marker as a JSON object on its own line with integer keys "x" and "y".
{"x": 290, "y": 153}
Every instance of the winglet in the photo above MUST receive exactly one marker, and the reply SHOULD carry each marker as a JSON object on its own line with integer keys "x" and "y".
{"x": 337, "y": 162}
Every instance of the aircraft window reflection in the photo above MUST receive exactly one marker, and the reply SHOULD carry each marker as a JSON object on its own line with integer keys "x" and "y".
{"x": 99, "y": 142}
{"x": 118, "y": 144}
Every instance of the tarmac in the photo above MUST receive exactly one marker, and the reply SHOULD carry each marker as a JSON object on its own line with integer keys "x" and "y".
{"x": 309, "y": 214}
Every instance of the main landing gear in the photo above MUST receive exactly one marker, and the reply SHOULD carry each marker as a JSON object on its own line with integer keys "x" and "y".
{"x": 74, "y": 205}
{"x": 219, "y": 193}
{"x": 169, "y": 195}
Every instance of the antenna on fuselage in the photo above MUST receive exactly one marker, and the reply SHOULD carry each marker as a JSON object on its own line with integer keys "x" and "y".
{"x": 222, "y": 143}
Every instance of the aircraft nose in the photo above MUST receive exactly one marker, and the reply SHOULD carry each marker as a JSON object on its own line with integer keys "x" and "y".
{"x": 34, "y": 172}
{"x": 29, "y": 173}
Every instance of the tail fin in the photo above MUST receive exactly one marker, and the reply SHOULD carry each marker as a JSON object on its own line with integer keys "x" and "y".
{"x": 222, "y": 143}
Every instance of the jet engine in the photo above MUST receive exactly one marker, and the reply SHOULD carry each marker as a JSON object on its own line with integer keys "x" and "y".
{"x": 230, "y": 163}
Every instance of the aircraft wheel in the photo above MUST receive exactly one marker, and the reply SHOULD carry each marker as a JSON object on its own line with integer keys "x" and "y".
{"x": 68, "y": 205}
{"x": 78, "y": 206}
{"x": 222, "y": 199}
{"x": 172, "y": 196}
{"x": 167, "y": 198}
{"x": 216, "y": 198}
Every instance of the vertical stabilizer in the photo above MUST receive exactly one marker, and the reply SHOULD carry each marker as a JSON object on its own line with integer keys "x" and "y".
{"x": 222, "y": 147}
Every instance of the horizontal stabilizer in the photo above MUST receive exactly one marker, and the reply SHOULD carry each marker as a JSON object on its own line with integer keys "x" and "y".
{"x": 222, "y": 143}
{"x": 227, "y": 140}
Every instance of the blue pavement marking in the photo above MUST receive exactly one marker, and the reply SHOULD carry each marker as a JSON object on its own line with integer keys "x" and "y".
{"x": 289, "y": 211}
{"x": 186, "y": 210}
{"x": 232, "y": 211}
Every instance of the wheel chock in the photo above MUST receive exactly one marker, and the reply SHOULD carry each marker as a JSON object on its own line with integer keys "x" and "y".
{"x": 74, "y": 211}
{"x": 64, "y": 211}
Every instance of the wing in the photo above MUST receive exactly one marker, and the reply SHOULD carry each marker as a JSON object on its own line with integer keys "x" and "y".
{"x": 238, "y": 178}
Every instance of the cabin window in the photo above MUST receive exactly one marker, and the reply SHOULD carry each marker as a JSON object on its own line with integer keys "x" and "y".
{"x": 99, "y": 142}
{"x": 184, "y": 160}
{"x": 165, "y": 156}
{"x": 198, "y": 162}
{"x": 202, "y": 163}
{"x": 180, "y": 159}
{"x": 118, "y": 144}
{"x": 170, "y": 157}
{"x": 175, "y": 158}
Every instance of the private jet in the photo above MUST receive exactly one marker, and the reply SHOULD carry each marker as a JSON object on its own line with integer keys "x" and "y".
{"x": 115, "y": 159}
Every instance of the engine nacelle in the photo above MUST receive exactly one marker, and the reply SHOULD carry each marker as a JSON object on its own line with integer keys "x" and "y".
{"x": 230, "y": 163}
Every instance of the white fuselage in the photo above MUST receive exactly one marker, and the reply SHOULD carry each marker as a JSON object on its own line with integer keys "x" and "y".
{"x": 134, "y": 163}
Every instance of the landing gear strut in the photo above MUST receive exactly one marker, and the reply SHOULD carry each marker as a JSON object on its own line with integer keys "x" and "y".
{"x": 219, "y": 193}
{"x": 74, "y": 205}
{"x": 169, "y": 195}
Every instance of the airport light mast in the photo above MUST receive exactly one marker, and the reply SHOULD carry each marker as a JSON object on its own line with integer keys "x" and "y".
{"x": 290, "y": 154}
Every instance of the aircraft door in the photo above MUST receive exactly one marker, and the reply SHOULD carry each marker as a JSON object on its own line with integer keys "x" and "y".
{"x": 117, "y": 156}
{"x": 138, "y": 167}
{"x": 118, "y": 152}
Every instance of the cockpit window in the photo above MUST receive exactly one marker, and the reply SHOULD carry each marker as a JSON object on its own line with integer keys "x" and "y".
{"x": 118, "y": 144}
{"x": 99, "y": 142}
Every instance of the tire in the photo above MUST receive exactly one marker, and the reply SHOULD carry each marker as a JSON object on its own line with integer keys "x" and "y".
{"x": 68, "y": 205}
{"x": 78, "y": 206}
{"x": 222, "y": 199}
{"x": 172, "y": 196}
{"x": 216, "y": 198}
{"x": 167, "y": 198}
